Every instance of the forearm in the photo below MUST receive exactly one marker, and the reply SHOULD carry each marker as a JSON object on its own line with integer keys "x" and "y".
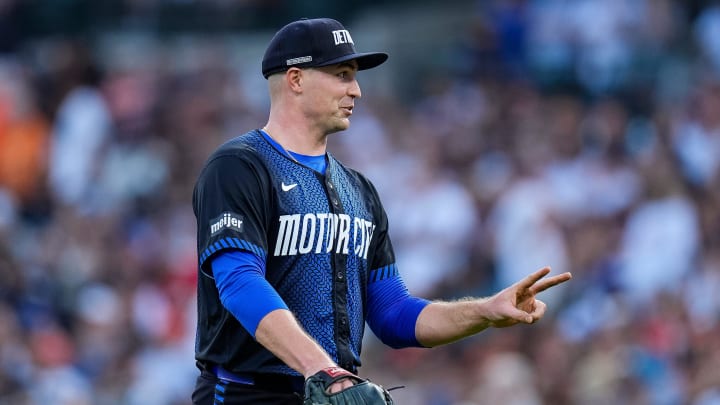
{"x": 239, "y": 276}
{"x": 440, "y": 323}
{"x": 280, "y": 333}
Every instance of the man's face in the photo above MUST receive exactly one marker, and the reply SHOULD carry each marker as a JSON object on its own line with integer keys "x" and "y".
{"x": 330, "y": 93}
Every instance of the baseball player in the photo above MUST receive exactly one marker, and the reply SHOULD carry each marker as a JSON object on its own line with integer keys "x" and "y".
{"x": 294, "y": 250}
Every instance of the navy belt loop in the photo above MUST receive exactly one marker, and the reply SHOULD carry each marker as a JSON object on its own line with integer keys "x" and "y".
{"x": 223, "y": 374}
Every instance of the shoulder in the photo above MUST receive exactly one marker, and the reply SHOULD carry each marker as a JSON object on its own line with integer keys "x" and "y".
{"x": 241, "y": 151}
{"x": 234, "y": 167}
{"x": 242, "y": 147}
{"x": 355, "y": 176}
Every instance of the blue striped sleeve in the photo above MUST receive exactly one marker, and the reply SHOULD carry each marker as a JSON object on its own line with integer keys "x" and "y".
{"x": 244, "y": 291}
{"x": 231, "y": 243}
{"x": 392, "y": 311}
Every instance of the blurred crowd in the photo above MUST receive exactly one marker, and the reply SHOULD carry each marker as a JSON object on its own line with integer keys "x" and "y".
{"x": 584, "y": 135}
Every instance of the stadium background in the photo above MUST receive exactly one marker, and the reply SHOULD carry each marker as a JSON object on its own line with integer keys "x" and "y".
{"x": 503, "y": 136}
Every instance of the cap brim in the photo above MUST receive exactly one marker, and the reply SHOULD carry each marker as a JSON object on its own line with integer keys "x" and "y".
{"x": 366, "y": 60}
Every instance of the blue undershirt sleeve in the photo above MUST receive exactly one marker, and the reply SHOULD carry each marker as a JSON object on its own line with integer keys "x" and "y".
{"x": 244, "y": 291}
{"x": 393, "y": 312}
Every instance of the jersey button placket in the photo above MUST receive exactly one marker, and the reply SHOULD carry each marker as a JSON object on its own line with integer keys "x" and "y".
{"x": 334, "y": 199}
{"x": 342, "y": 330}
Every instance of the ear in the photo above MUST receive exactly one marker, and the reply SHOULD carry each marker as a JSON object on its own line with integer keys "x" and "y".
{"x": 294, "y": 78}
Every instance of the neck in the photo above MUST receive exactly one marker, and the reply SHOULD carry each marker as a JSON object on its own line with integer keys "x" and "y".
{"x": 297, "y": 139}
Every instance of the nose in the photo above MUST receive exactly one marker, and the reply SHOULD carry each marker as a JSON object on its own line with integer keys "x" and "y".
{"x": 354, "y": 89}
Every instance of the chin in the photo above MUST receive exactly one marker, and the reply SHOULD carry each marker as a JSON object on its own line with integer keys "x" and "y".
{"x": 340, "y": 126}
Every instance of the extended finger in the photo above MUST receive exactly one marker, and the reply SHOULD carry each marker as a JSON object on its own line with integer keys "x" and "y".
{"x": 528, "y": 281}
{"x": 550, "y": 282}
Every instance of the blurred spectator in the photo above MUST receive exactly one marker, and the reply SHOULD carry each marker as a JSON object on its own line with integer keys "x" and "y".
{"x": 659, "y": 247}
{"x": 707, "y": 34}
{"x": 82, "y": 126}
{"x": 697, "y": 138}
{"x": 24, "y": 135}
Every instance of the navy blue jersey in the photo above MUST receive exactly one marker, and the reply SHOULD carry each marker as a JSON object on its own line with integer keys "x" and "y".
{"x": 320, "y": 235}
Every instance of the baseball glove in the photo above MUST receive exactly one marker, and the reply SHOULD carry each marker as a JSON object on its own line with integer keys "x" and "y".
{"x": 364, "y": 392}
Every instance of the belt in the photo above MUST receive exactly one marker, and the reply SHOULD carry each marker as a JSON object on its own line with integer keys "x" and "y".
{"x": 265, "y": 381}
{"x": 223, "y": 374}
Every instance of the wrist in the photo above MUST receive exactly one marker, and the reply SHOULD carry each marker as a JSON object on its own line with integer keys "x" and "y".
{"x": 314, "y": 368}
{"x": 480, "y": 315}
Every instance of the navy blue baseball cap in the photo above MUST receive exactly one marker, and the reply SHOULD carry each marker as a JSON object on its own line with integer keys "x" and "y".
{"x": 312, "y": 43}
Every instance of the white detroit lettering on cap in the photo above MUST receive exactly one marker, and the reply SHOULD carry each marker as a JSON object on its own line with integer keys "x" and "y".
{"x": 295, "y": 61}
{"x": 342, "y": 37}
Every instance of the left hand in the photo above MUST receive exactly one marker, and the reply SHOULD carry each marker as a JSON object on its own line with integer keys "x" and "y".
{"x": 517, "y": 304}
{"x": 360, "y": 391}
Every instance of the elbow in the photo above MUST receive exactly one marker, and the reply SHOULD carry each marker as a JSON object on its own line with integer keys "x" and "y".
{"x": 398, "y": 343}
{"x": 395, "y": 325}
{"x": 395, "y": 335}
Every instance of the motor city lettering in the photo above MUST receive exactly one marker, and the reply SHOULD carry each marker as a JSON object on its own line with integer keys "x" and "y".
{"x": 323, "y": 233}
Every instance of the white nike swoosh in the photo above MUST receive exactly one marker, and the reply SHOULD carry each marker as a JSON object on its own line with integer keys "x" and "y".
{"x": 288, "y": 187}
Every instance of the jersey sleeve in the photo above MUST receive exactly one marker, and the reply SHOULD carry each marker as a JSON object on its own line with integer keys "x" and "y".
{"x": 393, "y": 312}
{"x": 244, "y": 291}
{"x": 231, "y": 205}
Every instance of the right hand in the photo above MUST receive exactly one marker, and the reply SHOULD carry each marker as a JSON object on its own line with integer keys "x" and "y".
{"x": 517, "y": 303}
{"x": 340, "y": 385}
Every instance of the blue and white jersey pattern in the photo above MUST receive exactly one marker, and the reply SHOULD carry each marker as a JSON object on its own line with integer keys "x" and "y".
{"x": 321, "y": 236}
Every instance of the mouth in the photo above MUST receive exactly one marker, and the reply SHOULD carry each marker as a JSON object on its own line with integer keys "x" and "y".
{"x": 348, "y": 110}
